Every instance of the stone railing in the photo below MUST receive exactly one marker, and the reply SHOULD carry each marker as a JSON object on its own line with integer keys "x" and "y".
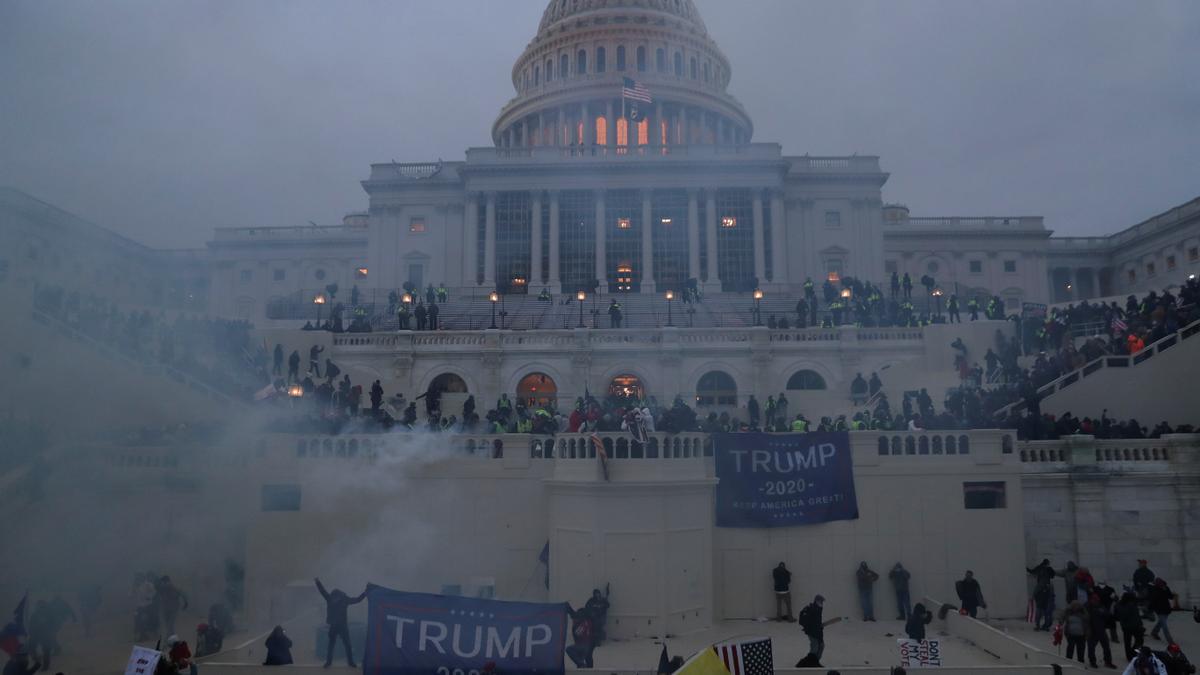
{"x": 289, "y": 232}
{"x": 603, "y": 153}
{"x": 972, "y": 223}
{"x": 1084, "y": 453}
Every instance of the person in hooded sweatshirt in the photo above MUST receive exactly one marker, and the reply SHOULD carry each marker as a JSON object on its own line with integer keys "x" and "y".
{"x": 279, "y": 648}
{"x": 1129, "y": 616}
{"x": 917, "y": 620}
{"x": 337, "y": 604}
{"x": 899, "y": 578}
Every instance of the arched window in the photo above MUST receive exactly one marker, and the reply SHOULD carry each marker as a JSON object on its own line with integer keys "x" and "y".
{"x": 716, "y": 388}
{"x": 600, "y": 59}
{"x": 581, "y": 62}
{"x": 660, "y": 60}
{"x": 448, "y": 383}
{"x": 693, "y": 68}
{"x": 562, "y": 67}
{"x": 537, "y": 389}
{"x": 549, "y": 69}
{"x": 678, "y": 64}
{"x": 643, "y": 132}
{"x": 707, "y": 69}
{"x": 626, "y": 387}
{"x": 806, "y": 380}
{"x": 641, "y": 59}
{"x": 601, "y": 130}
{"x": 622, "y": 131}
{"x": 620, "y": 57}
{"x": 537, "y": 75}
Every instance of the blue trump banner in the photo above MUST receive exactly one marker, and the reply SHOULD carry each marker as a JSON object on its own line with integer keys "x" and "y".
{"x": 776, "y": 480}
{"x": 424, "y": 634}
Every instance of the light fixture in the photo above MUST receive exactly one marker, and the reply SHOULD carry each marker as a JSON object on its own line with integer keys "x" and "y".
{"x": 581, "y": 296}
{"x": 937, "y": 293}
{"x": 833, "y": 277}
{"x": 318, "y": 299}
{"x": 362, "y": 271}
{"x": 407, "y": 298}
{"x": 623, "y": 224}
{"x": 758, "y": 294}
{"x": 670, "y": 295}
{"x": 846, "y": 293}
{"x": 295, "y": 391}
{"x": 728, "y": 221}
{"x": 664, "y": 220}
{"x": 494, "y": 296}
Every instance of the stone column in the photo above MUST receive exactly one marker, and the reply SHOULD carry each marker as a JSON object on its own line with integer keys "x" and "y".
{"x": 471, "y": 240}
{"x": 610, "y": 126}
{"x": 1096, "y": 283}
{"x": 508, "y": 137}
{"x": 589, "y": 125}
{"x": 719, "y": 136}
{"x": 678, "y": 130}
{"x": 1074, "y": 281}
{"x": 489, "y": 243}
{"x": 535, "y": 243}
{"x": 601, "y": 229}
{"x": 693, "y": 234}
{"x": 686, "y": 127}
{"x": 760, "y": 258}
{"x": 778, "y": 238}
{"x": 710, "y": 227}
{"x": 647, "y": 244}
{"x": 525, "y": 142}
{"x": 555, "y": 281}
{"x": 558, "y": 131}
{"x": 656, "y": 127}
{"x": 541, "y": 133}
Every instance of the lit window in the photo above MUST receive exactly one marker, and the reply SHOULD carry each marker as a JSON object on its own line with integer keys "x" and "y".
{"x": 360, "y": 273}
{"x": 623, "y": 223}
{"x": 728, "y": 221}
{"x": 1170, "y": 262}
{"x": 279, "y": 275}
{"x": 833, "y": 219}
{"x": 976, "y": 267}
{"x": 416, "y": 225}
{"x": 1010, "y": 266}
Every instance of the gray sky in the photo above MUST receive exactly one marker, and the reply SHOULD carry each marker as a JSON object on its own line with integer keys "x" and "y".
{"x": 162, "y": 120}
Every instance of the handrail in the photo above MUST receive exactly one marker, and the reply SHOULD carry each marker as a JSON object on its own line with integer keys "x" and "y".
{"x": 1107, "y": 361}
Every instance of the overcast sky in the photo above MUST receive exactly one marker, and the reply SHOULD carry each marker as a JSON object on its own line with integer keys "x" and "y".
{"x": 163, "y": 120}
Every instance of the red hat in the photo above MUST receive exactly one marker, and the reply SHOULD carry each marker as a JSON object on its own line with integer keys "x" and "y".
{"x": 1173, "y": 648}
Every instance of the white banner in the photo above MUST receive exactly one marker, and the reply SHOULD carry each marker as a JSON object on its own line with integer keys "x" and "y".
{"x": 142, "y": 661}
{"x": 920, "y": 653}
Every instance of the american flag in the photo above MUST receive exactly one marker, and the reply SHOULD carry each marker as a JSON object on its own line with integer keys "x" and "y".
{"x": 749, "y": 657}
{"x": 635, "y": 91}
{"x": 1119, "y": 325}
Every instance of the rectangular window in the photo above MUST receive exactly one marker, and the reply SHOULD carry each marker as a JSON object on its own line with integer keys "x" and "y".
{"x": 514, "y": 230}
{"x": 728, "y": 221}
{"x": 984, "y": 495}
{"x": 577, "y": 240}
{"x": 281, "y": 497}
{"x": 735, "y": 245}
{"x": 416, "y": 225}
{"x": 247, "y": 276}
{"x": 976, "y": 267}
{"x": 833, "y": 219}
{"x": 416, "y": 275}
{"x": 1170, "y": 262}
{"x": 1132, "y": 276}
{"x": 1194, "y": 253}
{"x": 1149, "y": 269}
{"x": 891, "y": 267}
{"x": 279, "y": 275}
{"x": 1010, "y": 266}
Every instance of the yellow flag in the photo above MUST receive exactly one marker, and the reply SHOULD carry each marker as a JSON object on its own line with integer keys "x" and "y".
{"x": 705, "y": 662}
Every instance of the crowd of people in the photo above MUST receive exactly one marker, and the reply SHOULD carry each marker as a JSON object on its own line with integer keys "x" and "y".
{"x": 217, "y": 352}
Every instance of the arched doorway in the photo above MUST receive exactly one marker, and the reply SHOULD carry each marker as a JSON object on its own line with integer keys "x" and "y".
{"x": 537, "y": 389}
{"x": 805, "y": 380}
{"x": 627, "y": 388}
{"x": 716, "y": 387}
{"x": 446, "y": 394}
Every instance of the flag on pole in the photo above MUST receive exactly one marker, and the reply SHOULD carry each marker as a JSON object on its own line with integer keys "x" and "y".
{"x": 635, "y": 91}
{"x": 704, "y": 662}
{"x": 1030, "y": 611}
{"x": 747, "y": 657}
{"x": 1119, "y": 325}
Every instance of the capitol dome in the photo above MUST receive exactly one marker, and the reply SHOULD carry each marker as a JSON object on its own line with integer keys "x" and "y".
{"x": 570, "y": 77}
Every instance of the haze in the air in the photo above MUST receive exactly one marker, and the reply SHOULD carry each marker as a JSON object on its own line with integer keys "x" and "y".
{"x": 164, "y": 120}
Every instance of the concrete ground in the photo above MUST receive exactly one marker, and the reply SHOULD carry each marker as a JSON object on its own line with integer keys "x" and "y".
{"x": 1185, "y": 631}
{"x": 848, "y": 644}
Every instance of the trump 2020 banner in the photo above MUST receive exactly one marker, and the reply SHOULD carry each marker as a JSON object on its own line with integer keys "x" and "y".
{"x": 424, "y": 634}
{"x": 776, "y": 480}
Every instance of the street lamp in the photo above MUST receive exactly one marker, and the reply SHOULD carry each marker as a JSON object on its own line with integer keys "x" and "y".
{"x": 295, "y": 391}
{"x": 319, "y": 300}
{"x": 670, "y": 298}
{"x": 758, "y": 295}
{"x": 937, "y": 297}
{"x": 846, "y": 293}
{"x": 407, "y": 298}
{"x": 494, "y": 297}
{"x": 580, "y": 296}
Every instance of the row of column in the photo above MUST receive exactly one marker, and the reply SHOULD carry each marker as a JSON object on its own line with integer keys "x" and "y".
{"x": 778, "y": 238}
{"x": 1073, "y": 279}
{"x": 679, "y": 122}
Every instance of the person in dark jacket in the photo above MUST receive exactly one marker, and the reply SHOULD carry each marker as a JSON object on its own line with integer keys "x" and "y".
{"x": 1159, "y": 598}
{"x": 1075, "y": 627}
{"x": 970, "y": 594}
{"x": 899, "y": 578}
{"x": 294, "y": 366}
{"x": 433, "y": 316}
{"x": 917, "y": 620}
{"x": 1143, "y": 579}
{"x": 1097, "y": 633}
{"x": 583, "y": 637}
{"x": 597, "y": 609}
{"x": 814, "y": 628}
{"x": 1130, "y": 617}
{"x": 783, "y": 593}
{"x": 1175, "y": 661}
{"x": 1068, "y": 575}
{"x": 337, "y": 604}
{"x": 421, "y": 312}
{"x": 279, "y": 648}
{"x": 19, "y": 664}
{"x": 1108, "y": 599}
{"x": 865, "y": 577}
{"x": 1043, "y": 594}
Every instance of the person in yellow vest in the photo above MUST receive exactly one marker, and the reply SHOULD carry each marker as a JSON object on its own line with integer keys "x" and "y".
{"x": 800, "y": 425}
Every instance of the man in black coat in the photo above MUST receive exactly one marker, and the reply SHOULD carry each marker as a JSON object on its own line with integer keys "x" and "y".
{"x": 970, "y": 594}
{"x": 814, "y": 628}
{"x": 337, "y": 604}
{"x": 782, "y": 577}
